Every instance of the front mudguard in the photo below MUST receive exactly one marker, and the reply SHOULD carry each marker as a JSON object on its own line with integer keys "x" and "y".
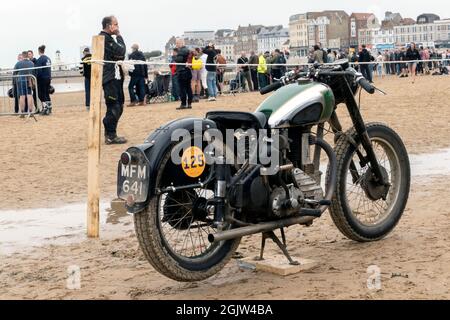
{"x": 155, "y": 149}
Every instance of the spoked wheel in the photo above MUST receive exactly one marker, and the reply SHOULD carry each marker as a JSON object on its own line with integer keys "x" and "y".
{"x": 173, "y": 230}
{"x": 362, "y": 209}
{"x": 186, "y": 222}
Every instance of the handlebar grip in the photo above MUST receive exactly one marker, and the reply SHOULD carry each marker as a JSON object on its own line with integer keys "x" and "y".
{"x": 273, "y": 87}
{"x": 366, "y": 85}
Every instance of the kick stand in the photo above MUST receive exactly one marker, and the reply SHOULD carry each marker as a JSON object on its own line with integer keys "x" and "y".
{"x": 282, "y": 245}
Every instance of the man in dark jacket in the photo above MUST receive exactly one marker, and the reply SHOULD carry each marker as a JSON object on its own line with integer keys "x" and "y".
{"x": 184, "y": 75}
{"x": 44, "y": 79}
{"x": 139, "y": 76}
{"x": 16, "y": 86}
{"x": 85, "y": 70}
{"x": 254, "y": 62}
{"x": 278, "y": 70}
{"x": 173, "y": 71}
{"x": 33, "y": 88}
{"x": 244, "y": 72}
{"x": 365, "y": 58}
{"x": 115, "y": 50}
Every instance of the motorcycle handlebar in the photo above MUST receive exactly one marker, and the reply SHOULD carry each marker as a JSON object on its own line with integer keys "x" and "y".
{"x": 272, "y": 87}
{"x": 363, "y": 82}
{"x": 366, "y": 85}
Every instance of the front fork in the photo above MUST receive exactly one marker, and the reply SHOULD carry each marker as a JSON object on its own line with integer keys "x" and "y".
{"x": 361, "y": 130}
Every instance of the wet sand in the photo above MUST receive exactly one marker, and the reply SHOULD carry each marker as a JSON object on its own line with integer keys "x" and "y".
{"x": 44, "y": 166}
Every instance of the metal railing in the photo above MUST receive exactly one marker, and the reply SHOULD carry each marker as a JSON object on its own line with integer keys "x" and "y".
{"x": 17, "y": 92}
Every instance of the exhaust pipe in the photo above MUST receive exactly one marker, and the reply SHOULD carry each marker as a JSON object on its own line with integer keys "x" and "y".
{"x": 271, "y": 226}
{"x": 259, "y": 228}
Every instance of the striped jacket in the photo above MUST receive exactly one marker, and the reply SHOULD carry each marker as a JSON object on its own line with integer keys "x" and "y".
{"x": 85, "y": 66}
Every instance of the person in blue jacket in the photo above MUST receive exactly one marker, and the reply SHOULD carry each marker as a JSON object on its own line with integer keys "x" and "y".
{"x": 44, "y": 79}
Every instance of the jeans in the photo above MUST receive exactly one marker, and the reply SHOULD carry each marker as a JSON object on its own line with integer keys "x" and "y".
{"x": 254, "y": 74}
{"x": 366, "y": 71}
{"x": 246, "y": 76}
{"x": 114, "y": 98}
{"x": 393, "y": 69}
{"x": 175, "y": 88}
{"x": 387, "y": 69}
{"x": 137, "y": 89}
{"x": 380, "y": 70}
{"x": 184, "y": 81}
{"x": 263, "y": 80}
{"x": 87, "y": 89}
{"x": 211, "y": 80}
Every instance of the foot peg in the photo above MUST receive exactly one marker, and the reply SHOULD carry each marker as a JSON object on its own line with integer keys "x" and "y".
{"x": 315, "y": 213}
{"x": 315, "y": 203}
{"x": 325, "y": 203}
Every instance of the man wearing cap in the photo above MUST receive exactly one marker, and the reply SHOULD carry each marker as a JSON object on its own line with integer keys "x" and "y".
{"x": 85, "y": 70}
{"x": 139, "y": 76}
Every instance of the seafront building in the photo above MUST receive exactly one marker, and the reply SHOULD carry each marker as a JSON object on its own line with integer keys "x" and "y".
{"x": 332, "y": 29}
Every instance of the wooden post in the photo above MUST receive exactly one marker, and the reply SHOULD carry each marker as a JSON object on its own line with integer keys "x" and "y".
{"x": 93, "y": 219}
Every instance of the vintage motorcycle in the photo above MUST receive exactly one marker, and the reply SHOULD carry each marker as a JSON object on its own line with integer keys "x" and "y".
{"x": 190, "y": 216}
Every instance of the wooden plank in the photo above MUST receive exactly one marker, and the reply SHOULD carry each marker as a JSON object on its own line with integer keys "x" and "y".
{"x": 278, "y": 264}
{"x": 93, "y": 219}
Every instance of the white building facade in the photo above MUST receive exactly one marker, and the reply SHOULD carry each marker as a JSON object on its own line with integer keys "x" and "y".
{"x": 317, "y": 30}
{"x": 227, "y": 49}
{"x": 200, "y": 35}
{"x": 422, "y": 34}
{"x": 377, "y": 38}
{"x": 270, "y": 39}
{"x": 426, "y": 35}
{"x": 298, "y": 34}
{"x": 442, "y": 30}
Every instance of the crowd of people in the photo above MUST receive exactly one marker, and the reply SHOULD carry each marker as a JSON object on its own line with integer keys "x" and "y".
{"x": 403, "y": 62}
{"x": 199, "y": 73}
{"x": 196, "y": 73}
{"x": 30, "y": 84}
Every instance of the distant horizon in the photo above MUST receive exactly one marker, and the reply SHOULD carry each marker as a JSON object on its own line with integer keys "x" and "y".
{"x": 71, "y": 26}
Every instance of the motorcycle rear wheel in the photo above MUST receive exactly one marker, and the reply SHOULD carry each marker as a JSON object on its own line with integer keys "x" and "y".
{"x": 170, "y": 235}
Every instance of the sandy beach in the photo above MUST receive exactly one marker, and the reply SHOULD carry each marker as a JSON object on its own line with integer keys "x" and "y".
{"x": 44, "y": 165}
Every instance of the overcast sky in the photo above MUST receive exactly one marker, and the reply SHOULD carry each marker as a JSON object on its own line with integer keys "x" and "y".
{"x": 67, "y": 25}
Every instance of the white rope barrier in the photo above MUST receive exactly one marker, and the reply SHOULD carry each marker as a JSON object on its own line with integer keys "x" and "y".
{"x": 132, "y": 63}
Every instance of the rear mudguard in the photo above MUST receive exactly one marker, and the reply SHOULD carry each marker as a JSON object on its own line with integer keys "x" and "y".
{"x": 156, "y": 147}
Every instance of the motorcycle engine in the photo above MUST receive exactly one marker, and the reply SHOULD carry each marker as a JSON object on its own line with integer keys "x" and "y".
{"x": 305, "y": 188}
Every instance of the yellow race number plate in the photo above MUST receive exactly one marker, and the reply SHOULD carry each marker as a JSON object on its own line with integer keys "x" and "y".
{"x": 193, "y": 162}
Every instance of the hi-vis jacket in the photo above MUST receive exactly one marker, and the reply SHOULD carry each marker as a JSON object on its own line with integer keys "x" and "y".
{"x": 262, "y": 67}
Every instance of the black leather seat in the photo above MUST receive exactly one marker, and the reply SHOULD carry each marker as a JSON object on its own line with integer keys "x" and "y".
{"x": 235, "y": 120}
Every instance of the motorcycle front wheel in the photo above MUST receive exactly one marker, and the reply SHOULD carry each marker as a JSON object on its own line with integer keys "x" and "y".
{"x": 173, "y": 230}
{"x": 362, "y": 210}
